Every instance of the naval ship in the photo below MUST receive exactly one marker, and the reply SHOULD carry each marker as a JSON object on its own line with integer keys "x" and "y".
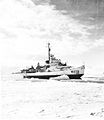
{"x": 53, "y": 68}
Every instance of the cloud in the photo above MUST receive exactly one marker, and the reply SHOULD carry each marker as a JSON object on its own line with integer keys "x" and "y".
{"x": 25, "y": 28}
{"x": 86, "y": 12}
{"x": 80, "y": 6}
{"x": 99, "y": 42}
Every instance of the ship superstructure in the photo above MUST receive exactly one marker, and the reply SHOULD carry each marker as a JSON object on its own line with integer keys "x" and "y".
{"x": 53, "y": 68}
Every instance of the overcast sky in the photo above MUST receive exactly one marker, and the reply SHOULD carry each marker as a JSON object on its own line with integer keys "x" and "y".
{"x": 75, "y": 29}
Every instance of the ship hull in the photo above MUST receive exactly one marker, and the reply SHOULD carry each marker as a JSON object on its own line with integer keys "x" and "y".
{"x": 53, "y": 68}
{"x": 76, "y": 76}
{"x": 74, "y": 73}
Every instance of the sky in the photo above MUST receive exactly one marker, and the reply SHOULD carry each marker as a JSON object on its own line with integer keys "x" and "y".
{"x": 75, "y": 29}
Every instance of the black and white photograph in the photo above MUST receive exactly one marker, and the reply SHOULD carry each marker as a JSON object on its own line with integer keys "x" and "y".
{"x": 52, "y": 59}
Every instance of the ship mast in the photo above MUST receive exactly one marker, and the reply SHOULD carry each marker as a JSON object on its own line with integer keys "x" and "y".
{"x": 49, "y": 52}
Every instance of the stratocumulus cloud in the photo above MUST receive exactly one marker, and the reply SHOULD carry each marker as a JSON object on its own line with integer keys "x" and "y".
{"x": 25, "y": 25}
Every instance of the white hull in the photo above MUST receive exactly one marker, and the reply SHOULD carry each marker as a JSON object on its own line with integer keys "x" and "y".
{"x": 73, "y": 73}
